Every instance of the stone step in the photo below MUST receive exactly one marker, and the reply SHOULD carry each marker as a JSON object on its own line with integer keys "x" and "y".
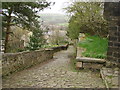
{"x": 90, "y": 60}
{"x": 79, "y": 65}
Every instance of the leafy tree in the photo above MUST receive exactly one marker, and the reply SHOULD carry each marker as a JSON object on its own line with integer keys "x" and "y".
{"x": 86, "y": 17}
{"x": 36, "y": 40}
{"x": 73, "y": 28}
{"x": 22, "y": 14}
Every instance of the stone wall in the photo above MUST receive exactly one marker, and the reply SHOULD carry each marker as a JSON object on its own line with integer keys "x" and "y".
{"x": 13, "y": 62}
{"x": 112, "y": 14}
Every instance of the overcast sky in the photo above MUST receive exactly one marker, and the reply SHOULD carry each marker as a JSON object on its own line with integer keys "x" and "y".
{"x": 57, "y": 7}
{"x": 59, "y": 4}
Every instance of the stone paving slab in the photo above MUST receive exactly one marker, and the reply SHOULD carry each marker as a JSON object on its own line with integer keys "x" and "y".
{"x": 111, "y": 77}
{"x": 56, "y": 73}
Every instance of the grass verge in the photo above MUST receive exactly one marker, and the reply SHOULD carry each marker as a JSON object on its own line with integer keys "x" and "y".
{"x": 96, "y": 47}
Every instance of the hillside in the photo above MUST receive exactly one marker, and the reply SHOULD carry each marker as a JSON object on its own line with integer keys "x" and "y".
{"x": 56, "y": 19}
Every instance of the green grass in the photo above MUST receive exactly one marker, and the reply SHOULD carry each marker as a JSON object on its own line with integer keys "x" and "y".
{"x": 95, "y": 46}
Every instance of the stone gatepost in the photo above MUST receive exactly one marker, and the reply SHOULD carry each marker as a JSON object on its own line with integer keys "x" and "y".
{"x": 112, "y": 14}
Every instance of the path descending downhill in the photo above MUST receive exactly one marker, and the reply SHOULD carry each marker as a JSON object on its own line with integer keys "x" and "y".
{"x": 56, "y": 73}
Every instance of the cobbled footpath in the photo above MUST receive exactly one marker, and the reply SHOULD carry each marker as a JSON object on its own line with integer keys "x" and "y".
{"x": 55, "y": 73}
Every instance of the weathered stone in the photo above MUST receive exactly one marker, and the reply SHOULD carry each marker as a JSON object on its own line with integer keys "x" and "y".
{"x": 109, "y": 77}
{"x": 79, "y": 65}
{"x": 54, "y": 70}
{"x": 13, "y": 62}
{"x": 116, "y": 72}
{"x": 90, "y": 60}
{"x": 115, "y": 81}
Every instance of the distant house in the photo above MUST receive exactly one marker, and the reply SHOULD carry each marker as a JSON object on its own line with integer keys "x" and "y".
{"x": 54, "y": 34}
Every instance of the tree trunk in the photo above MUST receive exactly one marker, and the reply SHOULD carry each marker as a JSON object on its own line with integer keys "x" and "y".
{"x": 7, "y": 34}
{"x": 75, "y": 46}
{"x": 8, "y": 29}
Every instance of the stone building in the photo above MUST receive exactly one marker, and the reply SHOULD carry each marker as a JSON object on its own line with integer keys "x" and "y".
{"x": 112, "y": 14}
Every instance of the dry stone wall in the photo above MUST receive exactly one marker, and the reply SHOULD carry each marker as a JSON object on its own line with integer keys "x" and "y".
{"x": 13, "y": 62}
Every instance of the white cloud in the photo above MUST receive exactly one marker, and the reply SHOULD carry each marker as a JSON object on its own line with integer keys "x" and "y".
{"x": 57, "y": 7}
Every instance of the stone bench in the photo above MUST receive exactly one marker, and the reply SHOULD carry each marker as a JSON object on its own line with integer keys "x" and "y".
{"x": 90, "y": 60}
{"x": 81, "y": 60}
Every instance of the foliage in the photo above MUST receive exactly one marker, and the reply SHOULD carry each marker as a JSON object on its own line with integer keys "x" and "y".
{"x": 95, "y": 46}
{"x": 73, "y": 29}
{"x": 22, "y": 14}
{"x": 36, "y": 40}
{"x": 86, "y": 17}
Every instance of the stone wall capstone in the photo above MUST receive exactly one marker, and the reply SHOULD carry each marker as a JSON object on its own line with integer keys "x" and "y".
{"x": 14, "y": 62}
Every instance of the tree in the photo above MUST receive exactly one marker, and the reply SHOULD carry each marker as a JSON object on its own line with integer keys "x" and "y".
{"x": 22, "y": 14}
{"x": 36, "y": 40}
{"x": 86, "y": 17}
{"x": 73, "y": 28}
